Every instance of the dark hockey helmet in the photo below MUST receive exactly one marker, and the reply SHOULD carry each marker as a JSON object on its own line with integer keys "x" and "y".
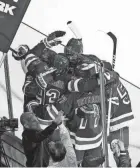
{"x": 74, "y": 46}
{"x": 61, "y": 63}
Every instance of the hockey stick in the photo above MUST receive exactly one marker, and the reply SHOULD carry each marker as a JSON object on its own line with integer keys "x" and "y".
{"x": 113, "y": 37}
{"x": 113, "y": 66}
{"x": 74, "y": 29}
{"x": 106, "y": 126}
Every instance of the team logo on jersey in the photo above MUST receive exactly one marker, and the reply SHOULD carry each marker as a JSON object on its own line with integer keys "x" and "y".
{"x": 123, "y": 94}
{"x": 90, "y": 99}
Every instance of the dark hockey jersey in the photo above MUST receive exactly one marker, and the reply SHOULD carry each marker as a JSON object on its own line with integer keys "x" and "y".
{"x": 88, "y": 131}
{"x": 121, "y": 113}
{"x": 46, "y": 97}
{"x": 84, "y": 113}
{"x": 54, "y": 90}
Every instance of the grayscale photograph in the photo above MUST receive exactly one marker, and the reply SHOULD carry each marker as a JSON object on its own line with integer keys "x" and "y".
{"x": 69, "y": 83}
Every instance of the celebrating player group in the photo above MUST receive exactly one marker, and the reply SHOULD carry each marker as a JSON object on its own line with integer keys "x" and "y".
{"x": 69, "y": 83}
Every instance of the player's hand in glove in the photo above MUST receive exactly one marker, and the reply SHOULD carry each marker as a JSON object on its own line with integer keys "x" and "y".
{"x": 121, "y": 155}
{"x": 53, "y": 39}
{"x": 20, "y": 52}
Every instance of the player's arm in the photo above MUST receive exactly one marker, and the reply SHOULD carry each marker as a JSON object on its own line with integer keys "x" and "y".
{"x": 30, "y": 87}
{"x": 66, "y": 140}
{"x": 38, "y": 49}
{"x": 39, "y": 70}
{"x": 83, "y": 85}
{"x": 50, "y": 41}
{"x": 35, "y": 136}
{"x": 89, "y": 85}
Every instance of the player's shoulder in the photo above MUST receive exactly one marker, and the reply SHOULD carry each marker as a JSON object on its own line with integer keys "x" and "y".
{"x": 59, "y": 84}
{"x": 91, "y": 57}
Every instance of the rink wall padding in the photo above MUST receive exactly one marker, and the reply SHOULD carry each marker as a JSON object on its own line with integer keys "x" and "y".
{"x": 13, "y": 150}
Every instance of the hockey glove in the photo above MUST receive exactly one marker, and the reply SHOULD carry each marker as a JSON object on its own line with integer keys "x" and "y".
{"x": 20, "y": 52}
{"x": 120, "y": 154}
{"x": 53, "y": 39}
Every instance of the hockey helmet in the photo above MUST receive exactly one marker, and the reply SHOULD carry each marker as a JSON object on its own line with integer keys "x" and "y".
{"x": 74, "y": 46}
{"x": 61, "y": 63}
{"x": 20, "y": 51}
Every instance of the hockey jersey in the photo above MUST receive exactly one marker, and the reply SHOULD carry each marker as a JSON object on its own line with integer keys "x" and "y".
{"x": 88, "y": 132}
{"x": 85, "y": 123}
{"x": 121, "y": 113}
{"x": 82, "y": 108}
{"x": 46, "y": 97}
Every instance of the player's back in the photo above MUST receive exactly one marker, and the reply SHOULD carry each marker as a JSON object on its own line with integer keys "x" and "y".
{"x": 86, "y": 126}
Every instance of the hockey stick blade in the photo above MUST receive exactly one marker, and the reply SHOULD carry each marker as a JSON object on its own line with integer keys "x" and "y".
{"x": 113, "y": 37}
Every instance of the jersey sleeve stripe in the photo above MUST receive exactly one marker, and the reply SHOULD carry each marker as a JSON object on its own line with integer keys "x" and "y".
{"x": 31, "y": 104}
{"x": 125, "y": 119}
{"x": 29, "y": 62}
{"x": 24, "y": 87}
{"x": 40, "y": 81}
{"x": 120, "y": 125}
{"x": 88, "y": 146}
{"x": 86, "y": 139}
{"x": 73, "y": 85}
{"x": 76, "y": 84}
{"x": 69, "y": 86}
{"x": 85, "y": 145}
{"x": 121, "y": 117}
{"x": 54, "y": 109}
{"x": 29, "y": 57}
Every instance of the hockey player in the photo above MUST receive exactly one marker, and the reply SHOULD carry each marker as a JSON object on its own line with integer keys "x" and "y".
{"x": 42, "y": 51}
{"x": 121, "y": 112}
{"x": 82, "y": 103}
{"x": 86, "y": 124}
{"x": 52, "y": 84}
